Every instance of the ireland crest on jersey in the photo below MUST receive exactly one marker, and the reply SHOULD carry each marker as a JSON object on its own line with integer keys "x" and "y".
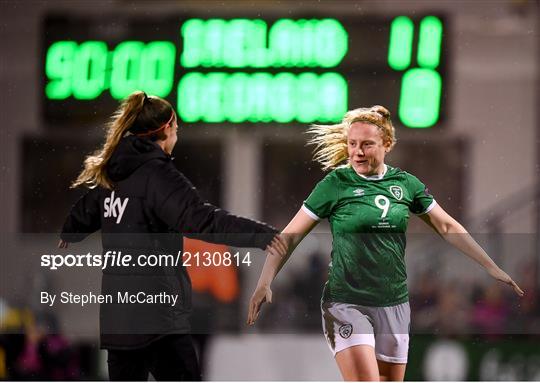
{"x": 397, "y": 192}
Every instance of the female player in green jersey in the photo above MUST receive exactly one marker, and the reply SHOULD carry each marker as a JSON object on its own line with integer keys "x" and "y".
{"x": 365, "y": 305}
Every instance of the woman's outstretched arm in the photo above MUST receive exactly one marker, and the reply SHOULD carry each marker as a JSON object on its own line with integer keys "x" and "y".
{"x": 455, "y": 234}
{"x": 278, "y": 254}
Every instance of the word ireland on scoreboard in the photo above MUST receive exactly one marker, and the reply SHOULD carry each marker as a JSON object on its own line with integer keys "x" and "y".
{"x": 246, "y": 70}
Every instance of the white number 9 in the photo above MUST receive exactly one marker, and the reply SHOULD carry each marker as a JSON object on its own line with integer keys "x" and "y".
{"x": 382, "y": 203}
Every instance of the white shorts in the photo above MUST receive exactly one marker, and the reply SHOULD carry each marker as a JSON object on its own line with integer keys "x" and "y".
{"x": 386, "y": 329}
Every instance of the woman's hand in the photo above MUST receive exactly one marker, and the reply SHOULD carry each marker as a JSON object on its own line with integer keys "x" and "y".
{"x": 279, "y": 246}
{"x": 62, "y": 244}
{"x": 500, "y": 275}
{"x": 262, "y": 294}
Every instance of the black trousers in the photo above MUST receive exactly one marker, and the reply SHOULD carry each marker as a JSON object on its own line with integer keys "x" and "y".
{"x": 172, "y": 357}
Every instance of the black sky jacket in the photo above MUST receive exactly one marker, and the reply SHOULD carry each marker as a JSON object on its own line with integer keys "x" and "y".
{"x": 150, "y": 208}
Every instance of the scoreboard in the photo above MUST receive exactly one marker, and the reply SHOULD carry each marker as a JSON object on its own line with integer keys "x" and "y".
{"x": 246, "y": 70}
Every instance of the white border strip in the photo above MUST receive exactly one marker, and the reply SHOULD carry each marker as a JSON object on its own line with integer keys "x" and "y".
{"x": 375, "y": 177}
{"x": 310, "y": 213}
{"x": 390, "y": 359}
{"x": 431, "y": 206}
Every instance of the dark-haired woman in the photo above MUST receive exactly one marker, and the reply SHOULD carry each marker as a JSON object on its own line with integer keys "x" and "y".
{"x": 141, "y": 203}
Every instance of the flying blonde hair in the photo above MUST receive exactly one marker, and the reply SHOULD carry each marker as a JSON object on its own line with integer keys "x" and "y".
{"x": 330, "y": 141}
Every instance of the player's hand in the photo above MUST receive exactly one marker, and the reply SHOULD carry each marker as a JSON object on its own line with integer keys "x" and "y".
{"x": 62, "y": 244}
{"x": 500, "y": 275}
{"x": 262, "y": 294}
{"x": 278, "y": 246}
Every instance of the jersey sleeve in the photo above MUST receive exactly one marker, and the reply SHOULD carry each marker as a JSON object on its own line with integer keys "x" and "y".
{"x": 84, "y": 217}
{"x": 322, "y": 199}
{"x": 176, "y": 202}
{"x": 422, "y": 200}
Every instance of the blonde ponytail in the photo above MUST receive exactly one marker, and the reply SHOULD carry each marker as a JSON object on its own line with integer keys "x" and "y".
{"x": 330, "y": 143}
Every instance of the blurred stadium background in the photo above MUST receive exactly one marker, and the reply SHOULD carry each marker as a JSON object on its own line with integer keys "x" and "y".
{"x": 465, "y": 101}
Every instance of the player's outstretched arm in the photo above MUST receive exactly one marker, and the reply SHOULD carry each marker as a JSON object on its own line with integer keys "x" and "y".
{"x": 455, "y": 234}
{"x": 278, "y": 253}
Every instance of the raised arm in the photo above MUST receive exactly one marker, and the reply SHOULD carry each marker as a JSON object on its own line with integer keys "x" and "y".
{"x": 455, "y": 234}
{"x": 177, "y": 202}
{"x": 278, "y": 254}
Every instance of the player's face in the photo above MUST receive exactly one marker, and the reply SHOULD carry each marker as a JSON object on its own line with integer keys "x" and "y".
{"x": 366, "y": 148}
{"x": 172, "y": 136}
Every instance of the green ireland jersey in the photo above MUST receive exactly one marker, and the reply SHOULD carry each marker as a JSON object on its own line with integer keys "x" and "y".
{"x": 368, "y": 218}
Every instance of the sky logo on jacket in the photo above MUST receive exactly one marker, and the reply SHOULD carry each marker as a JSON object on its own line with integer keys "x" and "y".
{"x": 114, "y": 207}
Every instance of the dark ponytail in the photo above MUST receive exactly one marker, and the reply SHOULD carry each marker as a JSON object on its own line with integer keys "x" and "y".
{"x": 137, "y": 114}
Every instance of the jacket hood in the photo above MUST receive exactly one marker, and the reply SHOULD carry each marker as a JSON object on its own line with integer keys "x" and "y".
{"x": 131, "y": 153}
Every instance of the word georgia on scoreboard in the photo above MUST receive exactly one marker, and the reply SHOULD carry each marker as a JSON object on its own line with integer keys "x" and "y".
{"x": 246, "y": 70}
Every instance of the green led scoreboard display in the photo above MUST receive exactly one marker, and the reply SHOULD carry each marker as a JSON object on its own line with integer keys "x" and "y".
{"x": 246, "y": 70}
